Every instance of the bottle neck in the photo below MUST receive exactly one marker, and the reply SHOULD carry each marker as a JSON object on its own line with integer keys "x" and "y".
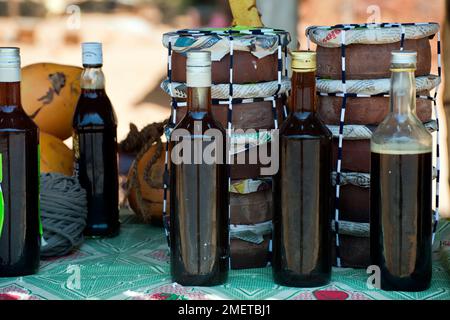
{"x": 403, "y": 92}
{"x": 199, "y": 99}
{"x": 92, "y": 78}
{"x": 303, "y": 95}
{"x": 10, "y": 94}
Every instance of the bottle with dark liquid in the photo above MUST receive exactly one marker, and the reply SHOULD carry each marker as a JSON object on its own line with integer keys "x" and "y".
{"x": 302, "y": 226}
{"x": 95, "y": 146}
{"x": 199, "y": 186}
{"x": 401, "y": 189}
{"x": 20, "y": 228}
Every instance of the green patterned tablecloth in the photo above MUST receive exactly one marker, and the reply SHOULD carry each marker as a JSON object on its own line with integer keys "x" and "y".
{"x": 135, "y": 265}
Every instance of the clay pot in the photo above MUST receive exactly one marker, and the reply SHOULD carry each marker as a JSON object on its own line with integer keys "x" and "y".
{"x": 256, "y": 115}
{"x": 251, "y": 208}
{"x": 354, "y": 251}
{"x": 355, "y": 203}
{"x": 355, "y": 155}
{"x": 246, "y": 255}
{"x": 247, "y": 68}
{"x": 370, "y": 61}
{"x": 365, "y": 111}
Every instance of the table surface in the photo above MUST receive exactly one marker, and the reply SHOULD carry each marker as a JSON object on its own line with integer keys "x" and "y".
{"x": 135, "y": 265}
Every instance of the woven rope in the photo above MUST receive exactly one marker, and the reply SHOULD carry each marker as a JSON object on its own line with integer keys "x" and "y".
{"x": 63, "y": 212}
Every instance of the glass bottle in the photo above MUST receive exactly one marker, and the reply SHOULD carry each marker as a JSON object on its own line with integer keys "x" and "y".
{"x": 401, "y": 190}
{"x": 95, "y": 146}
{"x": 302, "y": 228}
{"x": 198, "y": 186}
{"x": 20, "y": 228}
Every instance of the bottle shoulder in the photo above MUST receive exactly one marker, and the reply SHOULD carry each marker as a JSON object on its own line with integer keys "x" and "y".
{"x": 15, "y": 118}
{"x": 94, "y": 110}
{"x": 401, "y": 133}
{"x": 199, "y": 120}
{"x": 305, "y": 123}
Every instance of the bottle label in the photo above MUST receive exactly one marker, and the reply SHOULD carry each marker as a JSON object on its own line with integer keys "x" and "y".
{"x": 92, "y": 53}
{"x": 10, "y": 75}
{"x": 2, "y": 202}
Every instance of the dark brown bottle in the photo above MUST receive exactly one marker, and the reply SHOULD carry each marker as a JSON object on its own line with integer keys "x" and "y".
{"x": 199, "y": 188}
{"x": 401, "y": 187}
{"x": 20, "y": 228}
{"x": 302, "y": 226}
{"x": 95, "y": 147}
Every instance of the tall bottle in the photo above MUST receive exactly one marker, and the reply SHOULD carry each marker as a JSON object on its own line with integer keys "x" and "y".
{"x": 401, "y": 190}
{"x": 20, "y": 228}
{"x": 199, "y": 186}
{"x": 95, "y": 146}
{"x": 302, "y": 228}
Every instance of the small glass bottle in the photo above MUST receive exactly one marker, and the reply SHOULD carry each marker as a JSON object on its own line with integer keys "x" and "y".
{"x": 199, "y": 200}
{"x": 20, "y": 226}
{"x": 95, "y": 146}
{"x": 401, "y": 186}
{"x": 302, "y": 228}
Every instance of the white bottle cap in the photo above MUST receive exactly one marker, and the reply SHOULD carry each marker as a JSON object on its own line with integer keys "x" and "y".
{"x": 404, "y": 57}
{"x": 92, "y": 53}
{"x": 198, "y": 69}
{"x": 9, "y": 64}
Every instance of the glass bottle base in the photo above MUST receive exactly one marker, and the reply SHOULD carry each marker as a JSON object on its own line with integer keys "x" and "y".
{"x": 101, "y": 232}
{"x": 289, "y": 279}
{"x": 208, "y": 280}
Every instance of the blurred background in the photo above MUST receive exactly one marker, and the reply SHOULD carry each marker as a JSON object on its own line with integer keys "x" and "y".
{"x": 135, "y": 60}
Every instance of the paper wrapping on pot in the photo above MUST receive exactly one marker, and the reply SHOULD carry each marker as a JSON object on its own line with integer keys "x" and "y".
{"x": 251, "y": 233}
{"x": 373, "y": 86}
{"x": 242, "y": 91}
{"x": 372, "y": 34}
{"x": 361, "y": 132}
{"x": 249, "y": 186}
{"x": 217, "y": 41}
{"x": 240, "y": 142}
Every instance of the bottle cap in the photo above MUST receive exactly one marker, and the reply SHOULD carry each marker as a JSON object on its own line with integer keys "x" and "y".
{"x": 9, "y": 64}
{"x": 404, "y": 57}
{"x": 92, "y": 53}
{"x": 198, "y": 69}
{"x": 304, "y": 61}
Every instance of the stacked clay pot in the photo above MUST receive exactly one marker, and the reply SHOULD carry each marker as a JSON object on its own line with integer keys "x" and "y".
{"x": 251, "y": 68}
{"x": 368, "y": 54}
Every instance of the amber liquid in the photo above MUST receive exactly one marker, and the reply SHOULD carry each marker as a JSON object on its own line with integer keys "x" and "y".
{"x": 95, "y": 146}
{"x": 19, "y": 143}
{"x": 401, "y": 219}
{"x": 199, "y": 207}
{"x": 302, "y": 232}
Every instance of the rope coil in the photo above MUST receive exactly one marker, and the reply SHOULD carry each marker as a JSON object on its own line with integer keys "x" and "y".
{"x": 63, "y": 213}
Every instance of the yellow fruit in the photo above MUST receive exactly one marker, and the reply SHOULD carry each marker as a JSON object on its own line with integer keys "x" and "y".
{"x": 49, "y": 96}
{"x": 245, "y": 13}
{"x": 55, "y": 155}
